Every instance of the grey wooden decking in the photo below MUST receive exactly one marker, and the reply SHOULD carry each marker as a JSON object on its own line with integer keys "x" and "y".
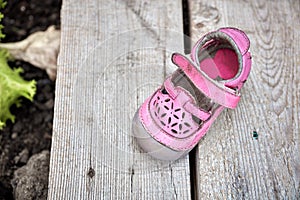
{"x": 115, "y": 53}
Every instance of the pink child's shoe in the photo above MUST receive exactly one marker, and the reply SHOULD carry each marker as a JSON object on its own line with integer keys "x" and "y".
{"x": 173, "y": 120}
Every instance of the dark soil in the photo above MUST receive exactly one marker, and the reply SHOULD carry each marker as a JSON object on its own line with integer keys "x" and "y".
{"x": 32, "y": 130}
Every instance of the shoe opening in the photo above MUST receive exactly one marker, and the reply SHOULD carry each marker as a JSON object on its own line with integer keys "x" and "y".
{"x": 218, "y": 59}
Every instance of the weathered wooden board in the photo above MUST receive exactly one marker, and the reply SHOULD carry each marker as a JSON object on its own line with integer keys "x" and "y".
{"x": 231, "y": 164}
{"x": 113, "y": 55}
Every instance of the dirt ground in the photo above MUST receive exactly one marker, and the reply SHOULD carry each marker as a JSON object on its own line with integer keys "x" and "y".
{"x": 31, "y": 132}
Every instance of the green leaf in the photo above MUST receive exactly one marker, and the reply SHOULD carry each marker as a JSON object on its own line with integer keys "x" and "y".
{"x": 2, "y": 3}
{"x": 12, "y": 87}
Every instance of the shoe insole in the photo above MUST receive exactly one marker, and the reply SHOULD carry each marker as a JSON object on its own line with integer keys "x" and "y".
{"x": 224, "y": 64}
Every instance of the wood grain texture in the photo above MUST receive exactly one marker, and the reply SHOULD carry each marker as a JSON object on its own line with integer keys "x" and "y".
{"x": 113, "y": 55}
{"x": 230, "y": 163}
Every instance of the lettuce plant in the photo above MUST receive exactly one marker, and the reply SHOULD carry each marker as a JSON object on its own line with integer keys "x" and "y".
{"x": 12, "y": 85}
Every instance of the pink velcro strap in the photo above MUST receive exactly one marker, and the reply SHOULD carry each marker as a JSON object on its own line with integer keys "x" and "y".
{"x": 170, "y": 88}
{"x": 196, "y": 111}
{"x": 206, "y": 85}
{"x": 188, "y": 105}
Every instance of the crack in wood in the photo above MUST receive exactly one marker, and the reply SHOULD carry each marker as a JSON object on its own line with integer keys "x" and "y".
{"x": 172, "y": 181}
{"x": 143, "y": 22}
{"x": 131, "y": 180}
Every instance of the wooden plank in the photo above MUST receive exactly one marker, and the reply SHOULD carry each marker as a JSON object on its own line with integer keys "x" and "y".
{"x": 113, "y": 55}
{"x": 230, "y": 163}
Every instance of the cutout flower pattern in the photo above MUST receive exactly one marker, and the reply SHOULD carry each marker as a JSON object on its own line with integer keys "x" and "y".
{"x": 170, "y": 117}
